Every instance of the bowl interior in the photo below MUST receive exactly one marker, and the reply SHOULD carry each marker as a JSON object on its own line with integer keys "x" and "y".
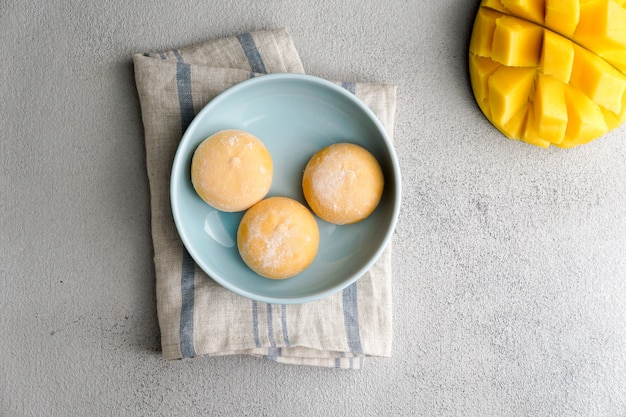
{"x": 295, "y": 116}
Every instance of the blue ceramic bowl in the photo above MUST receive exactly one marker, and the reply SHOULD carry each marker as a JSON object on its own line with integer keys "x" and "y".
{"x": 295, "y": 116}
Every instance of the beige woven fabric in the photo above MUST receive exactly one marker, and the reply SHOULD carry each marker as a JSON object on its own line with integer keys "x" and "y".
{"x": 198, "y": 317}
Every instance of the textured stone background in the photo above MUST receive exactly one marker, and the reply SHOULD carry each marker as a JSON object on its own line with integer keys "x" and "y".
{"x": 510, "y": 261}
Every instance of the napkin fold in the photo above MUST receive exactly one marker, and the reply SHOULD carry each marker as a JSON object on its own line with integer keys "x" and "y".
{"x": 197, "y": 316}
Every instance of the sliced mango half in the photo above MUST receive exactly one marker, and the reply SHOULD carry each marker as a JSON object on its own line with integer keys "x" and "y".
{"x": 550, "y": 72}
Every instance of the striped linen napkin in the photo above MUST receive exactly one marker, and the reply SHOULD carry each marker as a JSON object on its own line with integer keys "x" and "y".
{"x": 197, "y": 316}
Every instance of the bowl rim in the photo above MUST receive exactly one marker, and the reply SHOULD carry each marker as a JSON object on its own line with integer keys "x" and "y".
{"x": 177, "y": 172}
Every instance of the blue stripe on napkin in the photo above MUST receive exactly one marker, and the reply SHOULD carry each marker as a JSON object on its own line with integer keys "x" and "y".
{"x": 187, "y": 281}
{"x": 270, "y": 326}
{"x": 252, "y": 53}
{"x": 283, "y": 322}
{"x": 273, "y": 353}
{"x": 187, "y": 288}
{"x": 351, "y": 318}
{"x": 350, "y": 86}
{"x": 255, "y": 323}
{"x": 183, "y": 84}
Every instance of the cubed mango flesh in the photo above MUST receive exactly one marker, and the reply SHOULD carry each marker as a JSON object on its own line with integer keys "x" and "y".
{"x": 550, "y": 109}
{"x": 484, "y": 27}
{"x": 585, "y": 119}
{"x": 481, "y": 70}
{"x": 517, "y": 123}
{"x": 516, "y": 42}
{"x": 530, "y": 134}
{"x": 557, "y": 56}
{"x": 532, "y": 10}
{"x": 562, "y": 16}
{"x": 600, "y": 81}
{"x": 550, "y": 71}
{"x": 508, "y": 92}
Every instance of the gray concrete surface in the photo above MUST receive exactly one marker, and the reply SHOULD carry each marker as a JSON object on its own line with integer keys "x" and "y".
{"x": 509, "y": 261}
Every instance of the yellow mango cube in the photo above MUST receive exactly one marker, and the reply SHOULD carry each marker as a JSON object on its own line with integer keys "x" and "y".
{"x": 593, "y": 19}
{"x": 611, "y": 119}
{"x": 550, "y": 109}
{"x": 516, "y": 42}
{"x": 530, "y": 134}
{"x": 557, "y": 56}
{"x": 585, "y": 119}
{"x": 532, "y": 10}
{"x": 617, "y": 58}
{"x": 484, "y": 26}
{"x": 616, "y": 21}
{"x": 602, "y": 25}
{"x": 514, "y": 128}
{"x": 621, "y": 116}
{"x": 562, "y": 16}
{"x": 600, "y": 81}
{"x": 480, "y": 70}
{"x": 509, "y": 88}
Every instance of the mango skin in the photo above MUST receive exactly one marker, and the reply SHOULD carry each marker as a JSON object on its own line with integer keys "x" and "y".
{"x": 550, "y": 72}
